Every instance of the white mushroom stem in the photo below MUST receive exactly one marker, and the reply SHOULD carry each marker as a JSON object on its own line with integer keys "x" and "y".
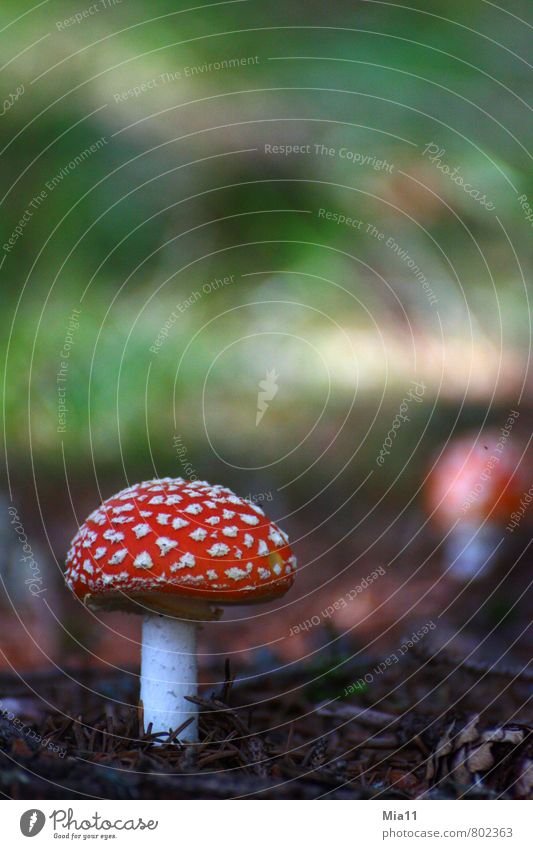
{"x": 168, "y": 674}
{"x": 472, "y": 550}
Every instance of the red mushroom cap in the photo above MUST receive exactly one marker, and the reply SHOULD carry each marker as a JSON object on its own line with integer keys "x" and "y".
{"x": 478, "y": 477}
{"x": 168, "y": 543}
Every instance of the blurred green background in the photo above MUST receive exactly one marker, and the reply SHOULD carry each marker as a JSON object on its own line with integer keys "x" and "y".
{"x": 180, "y": 191}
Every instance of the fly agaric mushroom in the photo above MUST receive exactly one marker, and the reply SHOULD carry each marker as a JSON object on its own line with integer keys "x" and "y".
{"x": 471, "y": 493}
{"x": 173, "y": 550}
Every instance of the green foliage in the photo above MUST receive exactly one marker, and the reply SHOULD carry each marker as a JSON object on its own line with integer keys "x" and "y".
{"x": 135, "y": 228}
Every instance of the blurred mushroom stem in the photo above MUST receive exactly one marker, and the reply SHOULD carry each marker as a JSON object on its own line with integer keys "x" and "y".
{"x": 472, "y": 550}
{"x": 169, "y": 674}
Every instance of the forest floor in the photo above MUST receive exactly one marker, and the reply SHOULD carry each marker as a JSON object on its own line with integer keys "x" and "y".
{"x": 353, "y": 707}
{"x": 432, "y": 727}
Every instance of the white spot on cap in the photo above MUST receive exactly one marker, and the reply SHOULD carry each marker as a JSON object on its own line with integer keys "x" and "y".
{"x": 249, "y": 519}
{"x": 235, "y": 573}
{"x": 263, "y": 573}
{"x": 192, "y": 579}
{"x": 210, "y": 504}
{"x": 145, "y": 513}
{"x": 98, "y": 517}
{"x": 275, "y": 536}
{"x": 141, "y": 530}
{"x": 88, "y": 566}
{"x": 165, "y": 544}
{"x": 108, "y": 579}
{"x": 213, "y": 520}
{"x": 198, "y": 535}
{"x": 228, "y": 514}
{"x": 100, "y": 551}
{"x": 173, "y": 499}
{"x": 262, "y": 547}
{"x": 218, "y": 549}
{"x": 186, "y": 561}
{"x": 194, "y": 509}
{"x": 179, "y": 523}
{"x": 212, "y": 575}
{"x": 157, "y": 499}
{"x": 143, "y": 561}
{"x": 162, "y": 518}
{"x": 230, "y": 531}
{"x": 121, "y": 520}
{"x": 277, "y": 569}
{"x": 113, "y": 536}
{"x": 124, "y": 508}
{"x": 248, "y": 540}
{"x": 118, "y": 557}
{"x": 89, "y": 539}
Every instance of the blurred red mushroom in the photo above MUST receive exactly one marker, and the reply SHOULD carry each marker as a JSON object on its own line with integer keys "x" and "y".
{"x": 471, "y": 492}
